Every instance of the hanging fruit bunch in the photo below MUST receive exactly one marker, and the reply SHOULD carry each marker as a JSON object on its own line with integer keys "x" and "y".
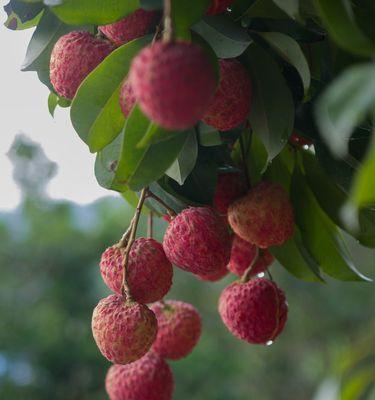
{"x": 220, "y": 116}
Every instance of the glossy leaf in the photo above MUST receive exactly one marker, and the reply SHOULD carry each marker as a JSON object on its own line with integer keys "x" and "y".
{"x": 95, "y": 112}
{"x": 272, "y": 112}
{"x": 290, "y": 7}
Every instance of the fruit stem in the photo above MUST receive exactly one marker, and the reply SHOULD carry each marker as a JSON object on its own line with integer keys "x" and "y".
{"x": 243, "y": 157}
{"x": 168, "y": 26}
{"x": 131, "y": 238}
{"x": 246, "y": 275}
{"x": 150, "y": 225}
{"x": 172, "y": 213}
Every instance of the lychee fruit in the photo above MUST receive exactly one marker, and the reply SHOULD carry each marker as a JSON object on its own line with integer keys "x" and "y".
{"x": 215, "y": 276}
{"x": 242, "y": 255}
{"x": 127, "y": 98}
{"x": 179, "y": 329}
{"x": 299, "y": 140}
{"x": 198, "y": 241}
{"x": 123, "y": 330}
{"x": 231, "y": 103}
{"x": 133, "y": 26}
{"x": 149, "y": 378}
{"x": 149, "y": 272}
{"x": 173, "y": 82}
{"x": 219, "y": 6}
{"x": 230, "y": 186}
{"x": 73, "y": 57}
{"x": 255, "y": 311}
{"x": 264, "y": 216}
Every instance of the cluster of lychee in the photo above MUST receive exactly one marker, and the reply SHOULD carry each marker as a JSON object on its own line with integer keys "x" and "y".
{"x": 174, "y": 82}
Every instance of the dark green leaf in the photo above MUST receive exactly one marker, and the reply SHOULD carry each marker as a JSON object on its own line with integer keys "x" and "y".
{"x": 22, "y": 16}
{"x": 208, "y": 135}
{"x": 95, "y": 112}
{"x": 151, "y": 4}
{"x": 272, "y": 112}
{"x": 290, "y": 7}
{"x": 53, "y": 100}
{"x": 185, "y": 162}
{"x": 320, "y": 236}
{"x": 338, "y": 18}
{"x": 227, "y": 39}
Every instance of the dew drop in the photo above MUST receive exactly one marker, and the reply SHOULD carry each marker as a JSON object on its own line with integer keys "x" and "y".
{"x": 269, "y": 343}
{"x": 261, "y": 275}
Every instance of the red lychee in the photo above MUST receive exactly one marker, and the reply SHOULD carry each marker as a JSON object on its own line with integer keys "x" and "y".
{"x": 123, "y": 330}
{"x": 179, "y": 329}
{"x": 73, "y": 57}
{"x": 215, "y": 276}
{"x": 255, "y": 311}
{"x": 133, "y": 26}
{"x": 230, "y": 186}
{"x": 219, "y": 6}
{"x": 198, "y": 241}
{"x": 149, "y": 378}
{"x": 231, "y": 103}
{"x": 149, "y": 272}
{"x": 242, "y": 255}
{"x": 264, "y": 216}
{"x": 127, "y": 98}
{"x": 173, "y": 82}
{"x": 299, "y": 140}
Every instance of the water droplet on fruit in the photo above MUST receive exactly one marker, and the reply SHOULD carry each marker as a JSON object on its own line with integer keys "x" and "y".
{"x": 269, "y": 343}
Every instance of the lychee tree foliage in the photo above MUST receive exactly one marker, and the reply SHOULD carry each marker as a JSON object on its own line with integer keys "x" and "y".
{"x": 246, "y": 124}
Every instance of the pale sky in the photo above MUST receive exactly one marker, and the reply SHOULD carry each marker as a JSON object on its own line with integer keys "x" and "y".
{"x": 23, "y": 107}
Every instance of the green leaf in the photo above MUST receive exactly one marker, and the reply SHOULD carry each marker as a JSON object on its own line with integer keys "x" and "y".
{"x": 185, "y": 162}
{"x": 227, "y": 39}
{"x": 53, "y": 100}
{"x": 258, "y": 9}
{"x": 97, "y": 12}
{"x": 344, "y": 104}
{"x": 208, "y": 135}
{"x": 272, "y": 111}
{"x": 155, "y": 134}
{"x": 22, "y": 16}
{"x": 138, "y": 167}
{"x": 320, "y": 236}
{"x": 290, "y": 7}
{"x": 290, "y": 50}
{"x": 338, "y": 18}
{"x": 185, "y": 14}
{"x": 95, "y": 112}
{"x": 151, "y": 4}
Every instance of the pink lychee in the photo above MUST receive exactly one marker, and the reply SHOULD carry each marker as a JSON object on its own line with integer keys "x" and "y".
{"x": 231, "y": 103}
{"x": 127, "y": 98}
{"x": 215, "y": 276}
{"x": 149, "y": 378}
{"x": 242, "y": 255}
{"x": 123, "y": 330}
{"x": 73, "y": 57}
{"x": 173, "y": 82}
{"x": 133, "y": 26}
{"x": 219, "y": 6}
{"x": 179, "y": 329}
{"x": 149, "y": 272}
{"x": 198, "y": 241}
{"x": 264, "y": 216}
{"x": 255, "y": 311}
{"x": 230, "y": 186}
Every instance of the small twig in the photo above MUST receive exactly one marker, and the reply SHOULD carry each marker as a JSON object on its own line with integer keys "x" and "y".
{"x": 157, "y": 33}
{"x": 172, "y": 213}
{"x": 133, "y": 229}
{"x": 269, "y": 275}
{"x": 150, "y": 225}
{"x": 168, "y": 26}
{"x": 246, "y": 275}
{"x": 243, "y": 158}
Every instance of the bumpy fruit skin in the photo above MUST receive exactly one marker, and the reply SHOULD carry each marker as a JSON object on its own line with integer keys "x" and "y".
{"x": 127, "y": 98}
{"x": 73, "y": 57}
{"x": 173, "y": 83}
{"x": 230, "y": 186}
{"x": 123, "y": 330}
{"x": 149, "y": 272}
{"x": 149, "y": 378}
{"x": 179, "y": 329}
{"x": 264, "y": 216}
{"x": 255, "y": 311}
{"x": 133, "y": 26}
{"x": 219, "y": 6}
{"x": 198, "y": 241}
{"x": 231, "y": 103}
{"x": 242, "y": 255}
{"x": 215, "y": 276}
{"x": 299, "y": 140}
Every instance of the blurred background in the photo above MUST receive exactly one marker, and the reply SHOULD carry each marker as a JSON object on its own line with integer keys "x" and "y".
{"x": 50, "y": 283}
